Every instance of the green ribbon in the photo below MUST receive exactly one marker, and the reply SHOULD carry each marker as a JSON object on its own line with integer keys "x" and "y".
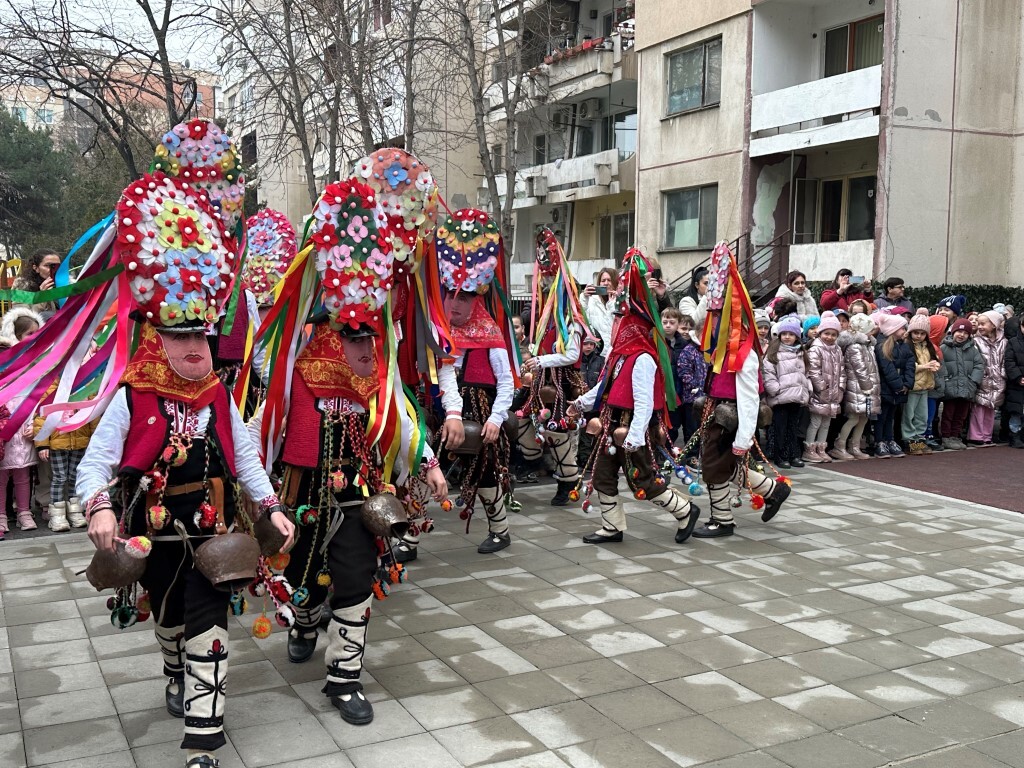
{"x": 84, "y": 285}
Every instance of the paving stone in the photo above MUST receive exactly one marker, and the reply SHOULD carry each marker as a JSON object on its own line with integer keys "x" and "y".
{"x": 580, "y": 619}
{"x": 961, "y": 757}
{"x": 692, "y": 740}
{"x": 623, "y": 751}
{"x": 958, "y": 720}
{"x": 764, "y": 723}
{"x": 892, "y": 691}
{"x": 442, "y": 709}
{"x": 170, "y": 755}
{"x": 72, "y": 677}
{"x": 58, "y": 708}
{"x": 707, "y": 692}
{"x": 282, "y": 740}
{"x": 841, "y": 753}
{"x": 949, "y": 677}
{"x": 421, "y": 749}
{"x": 489, "y": 664}
{"x": 449, "y": 642}
{"x": 390, "y": 721}
{"x": 70, "y": 741}
{"x": 556, "y": 652}
{"x": 830, "y": 706}
{"x": 519, "y": 693}
{"x": 719, "y": 652}
{"x": 772, "y": 677}
{"x": 421, "y": 677}
{"x": 895, "y": 737}
{"x": 638, "y": 707}
{"x": 48, "y": 655}
{"x": 563, "y": 724}
{"x": 1006, "y": 702}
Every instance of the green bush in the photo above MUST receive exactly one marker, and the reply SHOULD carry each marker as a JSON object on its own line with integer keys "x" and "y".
{"x": 979, "y": 297}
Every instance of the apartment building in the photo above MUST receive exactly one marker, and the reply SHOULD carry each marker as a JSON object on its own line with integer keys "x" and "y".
{"x": 576, "y": 135}
{"x": 880, "y": 135}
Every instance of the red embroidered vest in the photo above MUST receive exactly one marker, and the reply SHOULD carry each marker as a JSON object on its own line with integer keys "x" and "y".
{"x": 231, "y": 348}
{"x": 476, "y": 369}
{"x": 723, "y": 385}
{"x": 621, "y": 393}
{"x": 302, "y": 437}
{"x": 150, "y": 428}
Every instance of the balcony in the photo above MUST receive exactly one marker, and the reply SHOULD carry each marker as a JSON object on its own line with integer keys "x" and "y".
{"x": 578, "y": 178}
{"x": 573, "y": 73}
{"x": 827, "y": 111}
{"x": 821, "y": 261}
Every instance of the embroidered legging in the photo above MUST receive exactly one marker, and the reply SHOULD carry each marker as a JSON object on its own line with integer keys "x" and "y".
{"x": 22, "y": 477}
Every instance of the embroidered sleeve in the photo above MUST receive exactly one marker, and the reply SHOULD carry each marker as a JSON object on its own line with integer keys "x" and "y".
{"x": 106, "y": 446}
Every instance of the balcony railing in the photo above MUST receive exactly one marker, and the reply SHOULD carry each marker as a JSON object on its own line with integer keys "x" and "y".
{"x": 577, "y": 178}
{"x": 823, "y": 111}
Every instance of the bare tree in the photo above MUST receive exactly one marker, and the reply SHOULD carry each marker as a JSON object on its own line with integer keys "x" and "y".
{"x": 111, "y": 69}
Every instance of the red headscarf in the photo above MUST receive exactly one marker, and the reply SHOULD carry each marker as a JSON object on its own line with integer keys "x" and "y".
{"x": 480, "y": 331}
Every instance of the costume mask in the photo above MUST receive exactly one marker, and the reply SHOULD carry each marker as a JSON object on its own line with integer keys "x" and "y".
{"x": 460, "y": 308}
{"x": 188, "y": 354}
{"x": 359, "y": 354}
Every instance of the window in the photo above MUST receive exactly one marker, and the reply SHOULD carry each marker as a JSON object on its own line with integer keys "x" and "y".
{"x": 607, "y": 24}
{"x": 617, "y": 233}
{"x": 695, "y": 77}
{"x": 498, "y": 158}
{"x": 624, "y": 128}
{"x": 691, "y": 217}
{"x": 540, "y": 149}
{"x": 834, "y": 210}
{"x": 854, "y": 46}
{"x": 21, "y": 113}
{"x": 381, "y": 13}
{"x": 45, "y": 116}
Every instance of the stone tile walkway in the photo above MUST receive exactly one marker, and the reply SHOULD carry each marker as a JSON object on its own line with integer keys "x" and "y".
{"x": 864, "y": 627}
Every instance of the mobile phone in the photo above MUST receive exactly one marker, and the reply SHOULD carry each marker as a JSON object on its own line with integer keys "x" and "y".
{"x": 656, "y": 274}
{"x": 857, "y": 279}
{"x": 601, "y": 290}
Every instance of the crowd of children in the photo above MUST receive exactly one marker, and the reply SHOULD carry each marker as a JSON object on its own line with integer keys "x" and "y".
{"x": 860, "y": 383}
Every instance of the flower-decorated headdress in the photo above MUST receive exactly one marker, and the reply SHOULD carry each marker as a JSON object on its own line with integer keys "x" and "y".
{"x": 469, "y": 251}
{"x": 731, "y": 329}
{"x": 272, "y": 247}
{"x": 409, "y": 197}
{"x": 557, "y": 303}
{"x": 200, "y": 153}
{"x": 171, "y": 244}
{"x": 471, "y": 257}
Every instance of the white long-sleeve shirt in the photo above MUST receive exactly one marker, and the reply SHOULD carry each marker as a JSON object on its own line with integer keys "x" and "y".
{"x": 505, "y": 385}
{"x": 569, "y": 357}
{"x": 644, "y": 370}
{"x": 448, "y": 383}
{"x": 106, "y": 448}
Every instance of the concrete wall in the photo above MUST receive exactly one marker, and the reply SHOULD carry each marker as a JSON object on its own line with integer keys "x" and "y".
{"x": 586, "y": 226}
{"x": 693, "y": 149}
{"x": 660, "y": 20}
{"x": 952, "y": 173}
{"x": 821, "y": 261}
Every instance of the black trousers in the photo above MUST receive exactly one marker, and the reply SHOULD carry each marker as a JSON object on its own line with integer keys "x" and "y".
{"x": 786, "y": 425}
{"x": 179, "y": 594}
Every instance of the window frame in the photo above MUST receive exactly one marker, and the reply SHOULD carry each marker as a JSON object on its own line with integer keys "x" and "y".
{"x": 704, "y": 103}
{"x": 851, "y": 41}
{"x": 665, "y": 247}
{"x": 844, "y": 206}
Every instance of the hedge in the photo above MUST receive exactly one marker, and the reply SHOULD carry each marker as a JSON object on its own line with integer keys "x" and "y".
{"x": 979, "y": 297}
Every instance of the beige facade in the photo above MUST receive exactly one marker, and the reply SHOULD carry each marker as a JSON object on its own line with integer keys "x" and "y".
{"x": 886, "y": 136}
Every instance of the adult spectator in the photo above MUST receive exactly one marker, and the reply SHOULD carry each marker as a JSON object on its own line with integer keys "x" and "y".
{"x": 795, "y": 288}
{"x": 37, "y": 274}
{"x": 842, "y": 293}
{"x": 698, "y": 288}
{"x": 892, "y": 295}
{"x": 658, "y": 285}
{"x": 600, "y": 306}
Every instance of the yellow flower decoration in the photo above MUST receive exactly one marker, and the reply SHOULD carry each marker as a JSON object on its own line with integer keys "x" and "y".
{"x": 176, "y": 234}
{"x": 171, "y": 314}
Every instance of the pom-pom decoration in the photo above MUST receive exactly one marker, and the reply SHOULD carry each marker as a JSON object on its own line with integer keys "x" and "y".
{"x": 285, "y": 616}
{"x": 640, "y": 494}
{"x": 757, "y": 501}
{"x": 300, "y": 596}
{"x": 784, "y": 479}
{"x": 574, "y": 495}
{"x": 446, "y": 505}
{"x": 143, "y": 603}
{"x": 354, "y": 254}
{"x": 279, "y": 561}
{"x": 307, "y": 515}
{"x": 272, "y": 246}
{"x": 695, "y": 489}
{"x": 261, "y": 628}
{"x": 587, "y": 506}
{"x": 544, "y": 414}
{"x": 207, "y": 515}
{"x": 408, "y": 198}
{"x": 323, "y": 578}
{"x": 380, "y": 590}
{"x": 171, "y": 244}
{"x": 138, "y": 547}
{"x": 200, "y": 153}
{"x": 157, "y": 516}
{"x": 238, "y": 604}
{"x": 468, "y": 249}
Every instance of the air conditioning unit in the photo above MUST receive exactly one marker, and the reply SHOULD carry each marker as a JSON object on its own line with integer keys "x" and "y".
{"x": 589, "y": 109}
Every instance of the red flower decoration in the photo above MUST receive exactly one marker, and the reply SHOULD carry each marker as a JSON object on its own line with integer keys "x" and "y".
{"x": 197, "y": 128}
{"x": 327, "y": 237}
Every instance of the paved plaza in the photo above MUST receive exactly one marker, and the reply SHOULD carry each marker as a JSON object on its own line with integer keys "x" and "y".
{"x": 864, "y": 627}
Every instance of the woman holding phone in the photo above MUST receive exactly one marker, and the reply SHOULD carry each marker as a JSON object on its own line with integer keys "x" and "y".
{"x": 37, "y": 274}
{"x": 846, "y": 289}
{"x": 600, "y": 301}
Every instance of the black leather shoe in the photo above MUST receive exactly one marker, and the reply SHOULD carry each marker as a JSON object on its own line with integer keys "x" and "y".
{"x": 797, "y": 462}
{"x": 174, "y": 697}
{"x": 203, "y": 761}
{"x": 406, "y": 554}
{"x": 495, "y": 542}
{"x": 561, "y": 497}
{"x": 682, "y": 534}
{"x": 774, "y": 501}
{"x": 782, "y": 464}
{"x": 597, "y": 538}
{"x": 300, "y": 648}
{"x": 354, "y": 707}
{"x": 713, "y": 529}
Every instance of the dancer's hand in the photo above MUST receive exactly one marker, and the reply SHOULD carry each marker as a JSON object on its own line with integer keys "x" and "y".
{"x": 103, "y": 528}
{"x": 490, "y": 432}
{"x": 572, "y": 411}
{"x": 453, "y": 434}
{"x": 44, "y": 455}
{"x": 438, "y": 485}
{"x": 285, "y": 527}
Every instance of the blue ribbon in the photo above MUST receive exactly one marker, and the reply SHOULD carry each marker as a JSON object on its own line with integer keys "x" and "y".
{"x": 63, "y": 276}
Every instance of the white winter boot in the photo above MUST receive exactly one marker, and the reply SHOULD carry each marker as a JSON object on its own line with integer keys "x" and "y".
{"x": 76, "y": 514}
{"x": 58, "y": 520}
